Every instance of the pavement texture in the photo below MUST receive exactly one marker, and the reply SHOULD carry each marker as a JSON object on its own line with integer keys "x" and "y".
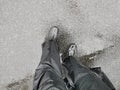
{"x": 94, "y": 25}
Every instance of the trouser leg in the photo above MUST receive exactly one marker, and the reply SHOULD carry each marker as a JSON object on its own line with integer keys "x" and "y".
{"x": 48, "y": 73}
{"x": 82, "y": 77}
{"x": 103, "y": 77}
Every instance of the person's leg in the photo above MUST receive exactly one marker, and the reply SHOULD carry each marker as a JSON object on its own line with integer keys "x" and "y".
{"x": 82, "y": 77}
{"x": 48, "y": 73}
{"x": 103, "y": 77}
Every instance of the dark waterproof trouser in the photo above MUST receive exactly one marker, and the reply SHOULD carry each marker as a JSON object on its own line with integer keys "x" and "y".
{"x": 48, "y": 74}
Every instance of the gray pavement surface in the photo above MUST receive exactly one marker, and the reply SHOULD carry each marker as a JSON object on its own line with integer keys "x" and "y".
{"x": 94, "y": 25}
